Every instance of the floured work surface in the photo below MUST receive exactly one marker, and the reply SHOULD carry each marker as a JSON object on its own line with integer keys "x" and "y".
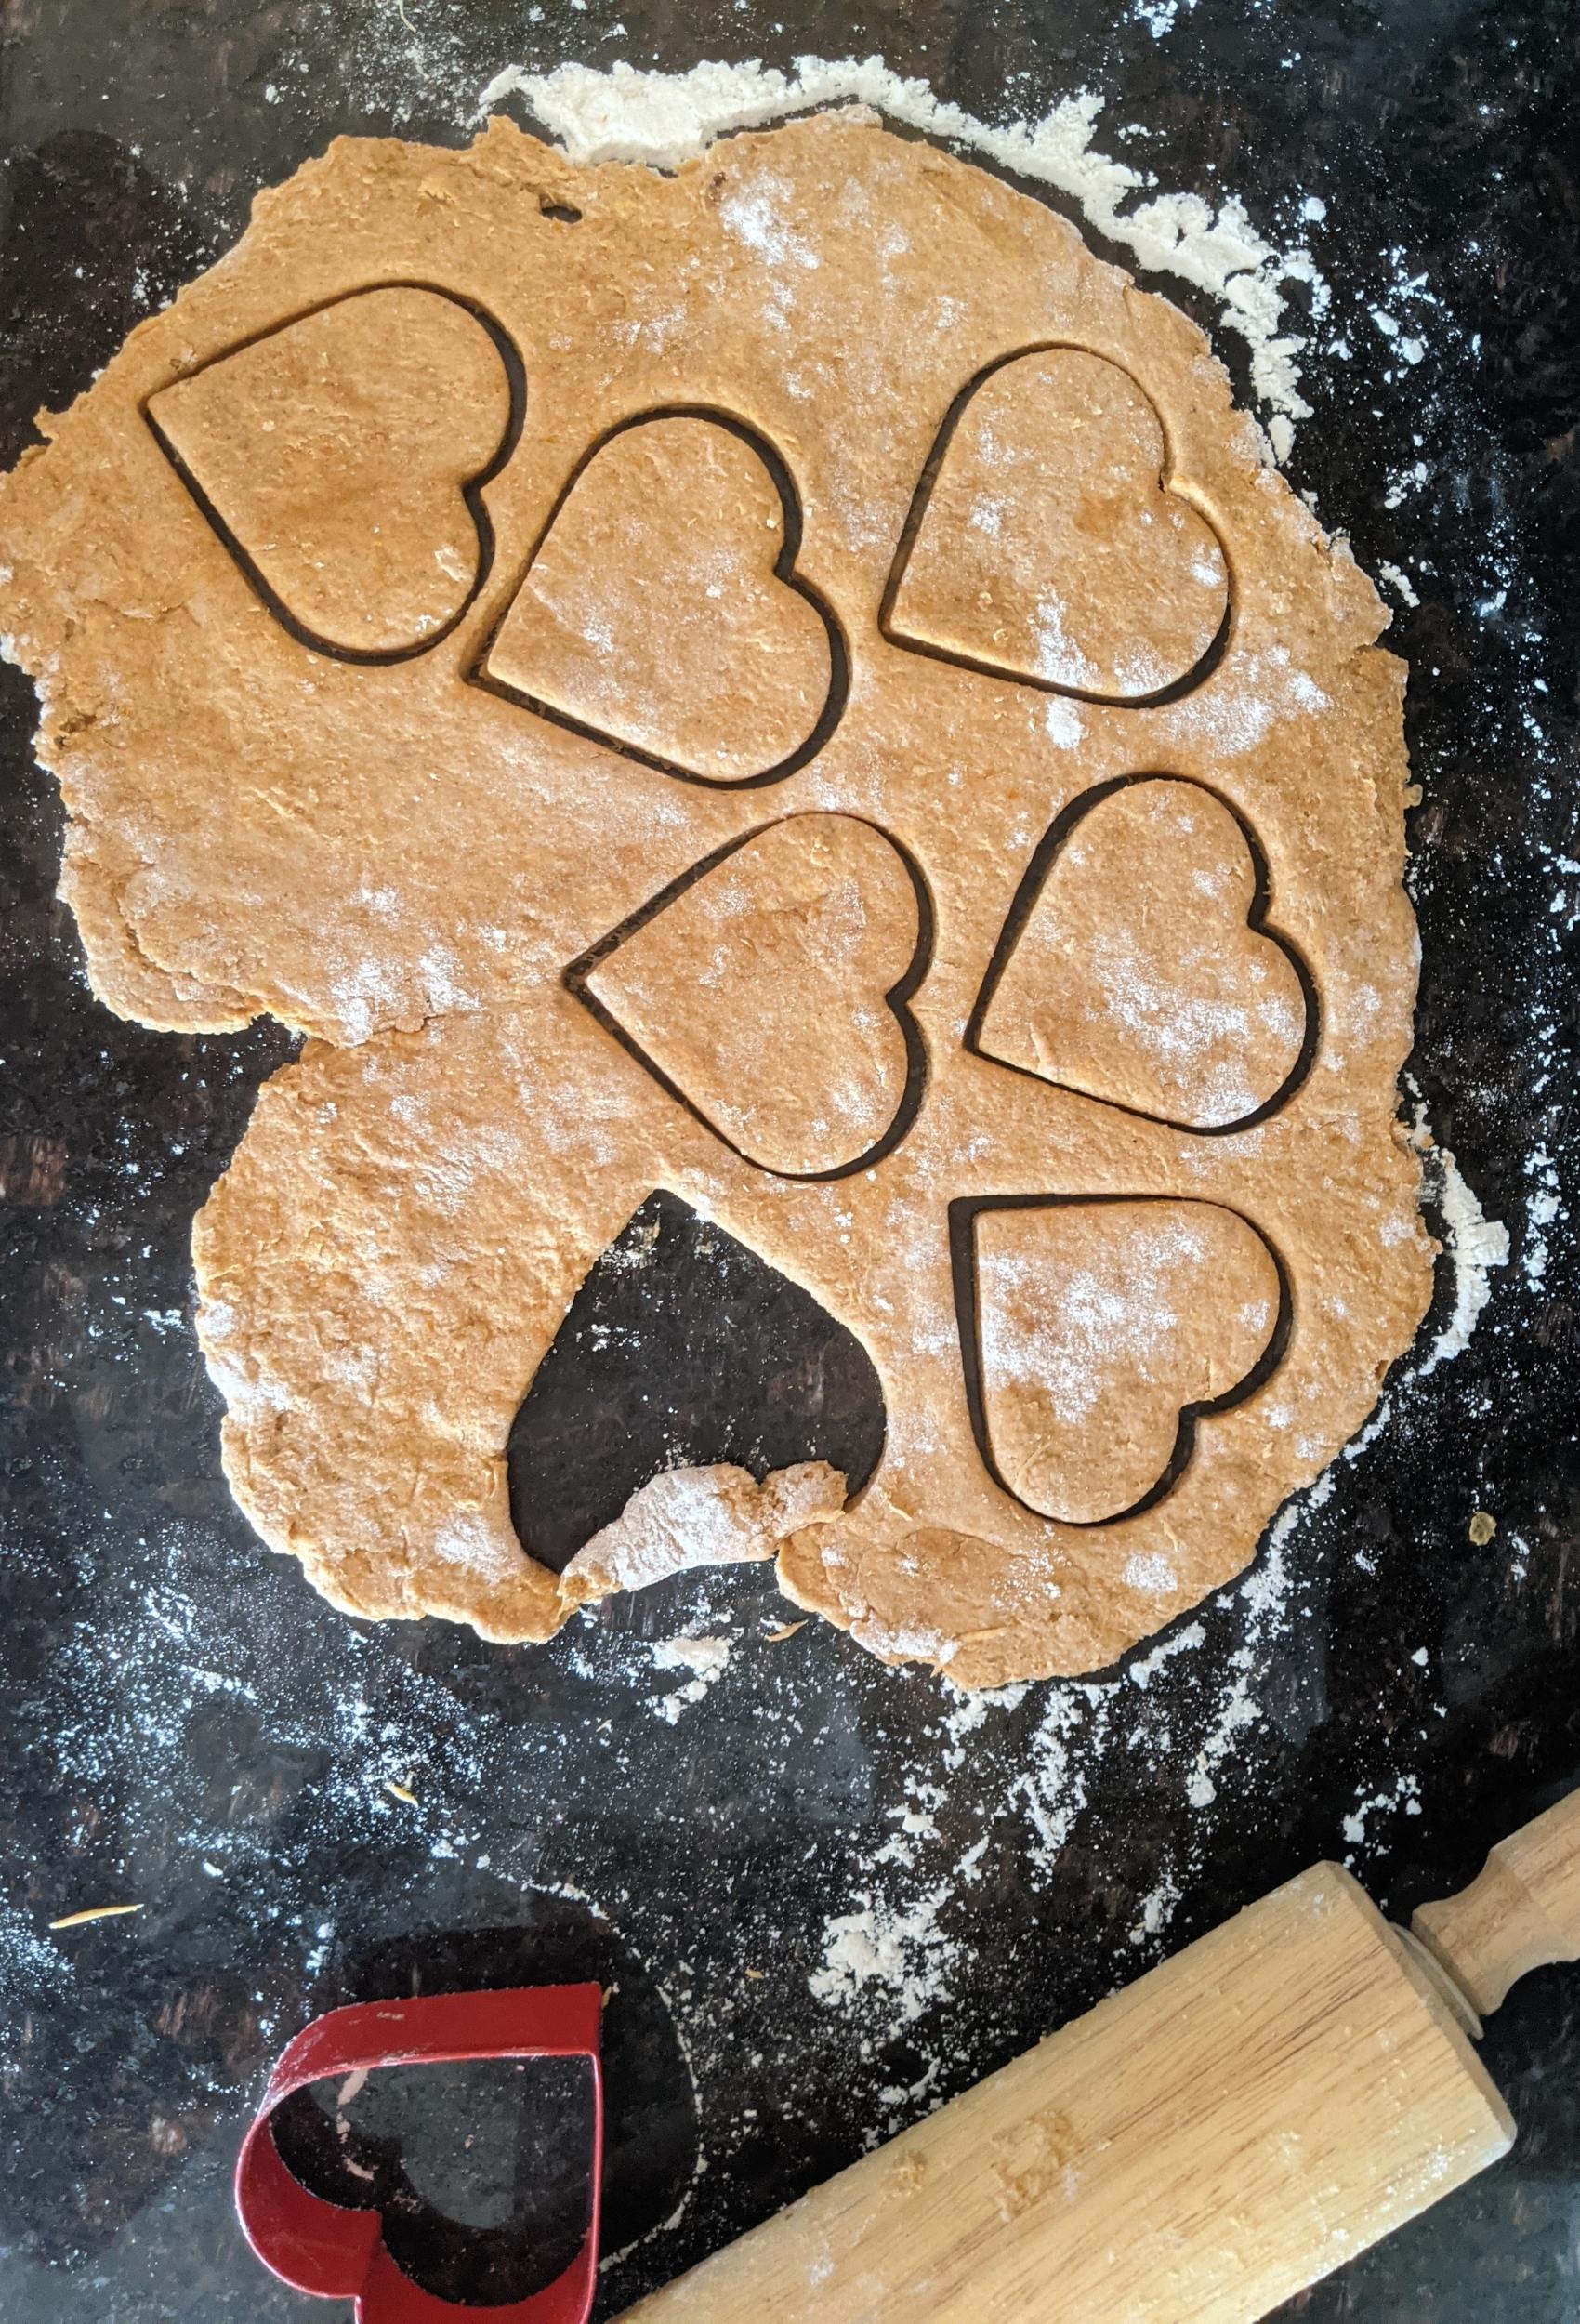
{"x": 789, "y": 684}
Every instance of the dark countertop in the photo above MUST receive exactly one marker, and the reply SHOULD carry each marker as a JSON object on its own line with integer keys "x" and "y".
{"x": 188, "y": 1725}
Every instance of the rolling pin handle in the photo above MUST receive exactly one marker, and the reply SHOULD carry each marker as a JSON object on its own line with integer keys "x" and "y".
{"x": 1522, "y": 1910}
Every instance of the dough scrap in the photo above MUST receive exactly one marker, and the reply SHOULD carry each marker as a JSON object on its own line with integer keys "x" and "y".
{"x": 404, "y": 859}
{"x": 684, "y": 1518}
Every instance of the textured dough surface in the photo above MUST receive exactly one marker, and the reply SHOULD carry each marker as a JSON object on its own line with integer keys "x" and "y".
{"x": 760, "y": 993}
{"x": 404, "y": 858}
{"x": 1099, "y": 1323}
{"x": 1047, "y": 546}
{"x": 1141, "y": 976}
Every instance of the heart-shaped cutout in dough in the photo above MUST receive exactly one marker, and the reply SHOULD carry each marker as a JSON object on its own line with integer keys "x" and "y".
{"x": 767, "y": 991}
{"x": 1045, "y": 542}
{"x": 662, "y": 612}
{"x": 1100, "y": 1332}
{"x": 1137, "y": 967}
{"x": 341, "y": 459}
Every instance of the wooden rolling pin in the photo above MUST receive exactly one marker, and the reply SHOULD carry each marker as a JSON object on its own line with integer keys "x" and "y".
{"x": 1198, "y": 2148}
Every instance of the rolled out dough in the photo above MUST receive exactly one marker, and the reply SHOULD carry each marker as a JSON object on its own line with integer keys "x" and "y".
{"x": 607, "y": 656}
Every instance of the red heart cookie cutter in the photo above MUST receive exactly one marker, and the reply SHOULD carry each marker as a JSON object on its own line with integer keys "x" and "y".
{"x": 337, "y": 2253}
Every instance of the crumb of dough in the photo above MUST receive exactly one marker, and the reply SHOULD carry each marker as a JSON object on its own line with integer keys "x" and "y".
{"x": 96, "y": 1912}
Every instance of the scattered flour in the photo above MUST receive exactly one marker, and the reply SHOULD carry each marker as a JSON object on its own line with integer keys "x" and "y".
{"x": 1543, "y": 1206}
{"x": 31, "y": 1965}
{"x": 1063, "y": 724}
{"x": 969, "y": 1710}
{"x": 1150, "y": 1570}
{"x": 706, "y": 1658}
{"x": 1476, "y": 1246}
{"x": 1157, "y": 1908}
{"x": 1404, "y": 1794}
{"x": 1142, "y": 1673}
{"x": 1053, "y": 1787}
{"x": 898, "y": 1956}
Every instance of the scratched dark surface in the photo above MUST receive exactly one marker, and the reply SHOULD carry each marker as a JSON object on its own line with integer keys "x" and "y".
{"x": 185, "y": 1724}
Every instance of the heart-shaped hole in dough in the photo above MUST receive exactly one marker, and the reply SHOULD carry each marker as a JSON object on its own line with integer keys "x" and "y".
{"x": 683, "y": 1350}
{"x": 1047, "y": 544}
{"x": 1098, "y": 1332}
{"x": 341, "y": 459}
{"x": 662, "y": 612}
{"x": 767, "y": 991}
{"x": 1136, "y": 966}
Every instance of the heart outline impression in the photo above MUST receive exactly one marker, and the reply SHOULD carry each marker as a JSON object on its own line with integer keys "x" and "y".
{"x": 1024, "y": 909}
{"x": 783, "y": 570}
{"x": 1152, "y": 691}
{"x": 470, "y": 487}
{"x": 966, "y": 1265}
{"x": 577, "y": 978}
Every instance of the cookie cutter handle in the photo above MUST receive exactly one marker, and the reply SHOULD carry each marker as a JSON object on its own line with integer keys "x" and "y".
{"x": 334, "y": 2253}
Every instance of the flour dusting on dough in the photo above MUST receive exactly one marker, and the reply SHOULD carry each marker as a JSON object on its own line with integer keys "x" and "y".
{"x": 468, "y": 1539}
{"x": 685, "y": 1518}
{"x": 508, "y": 1143}
{"x": 664, "y": 118}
